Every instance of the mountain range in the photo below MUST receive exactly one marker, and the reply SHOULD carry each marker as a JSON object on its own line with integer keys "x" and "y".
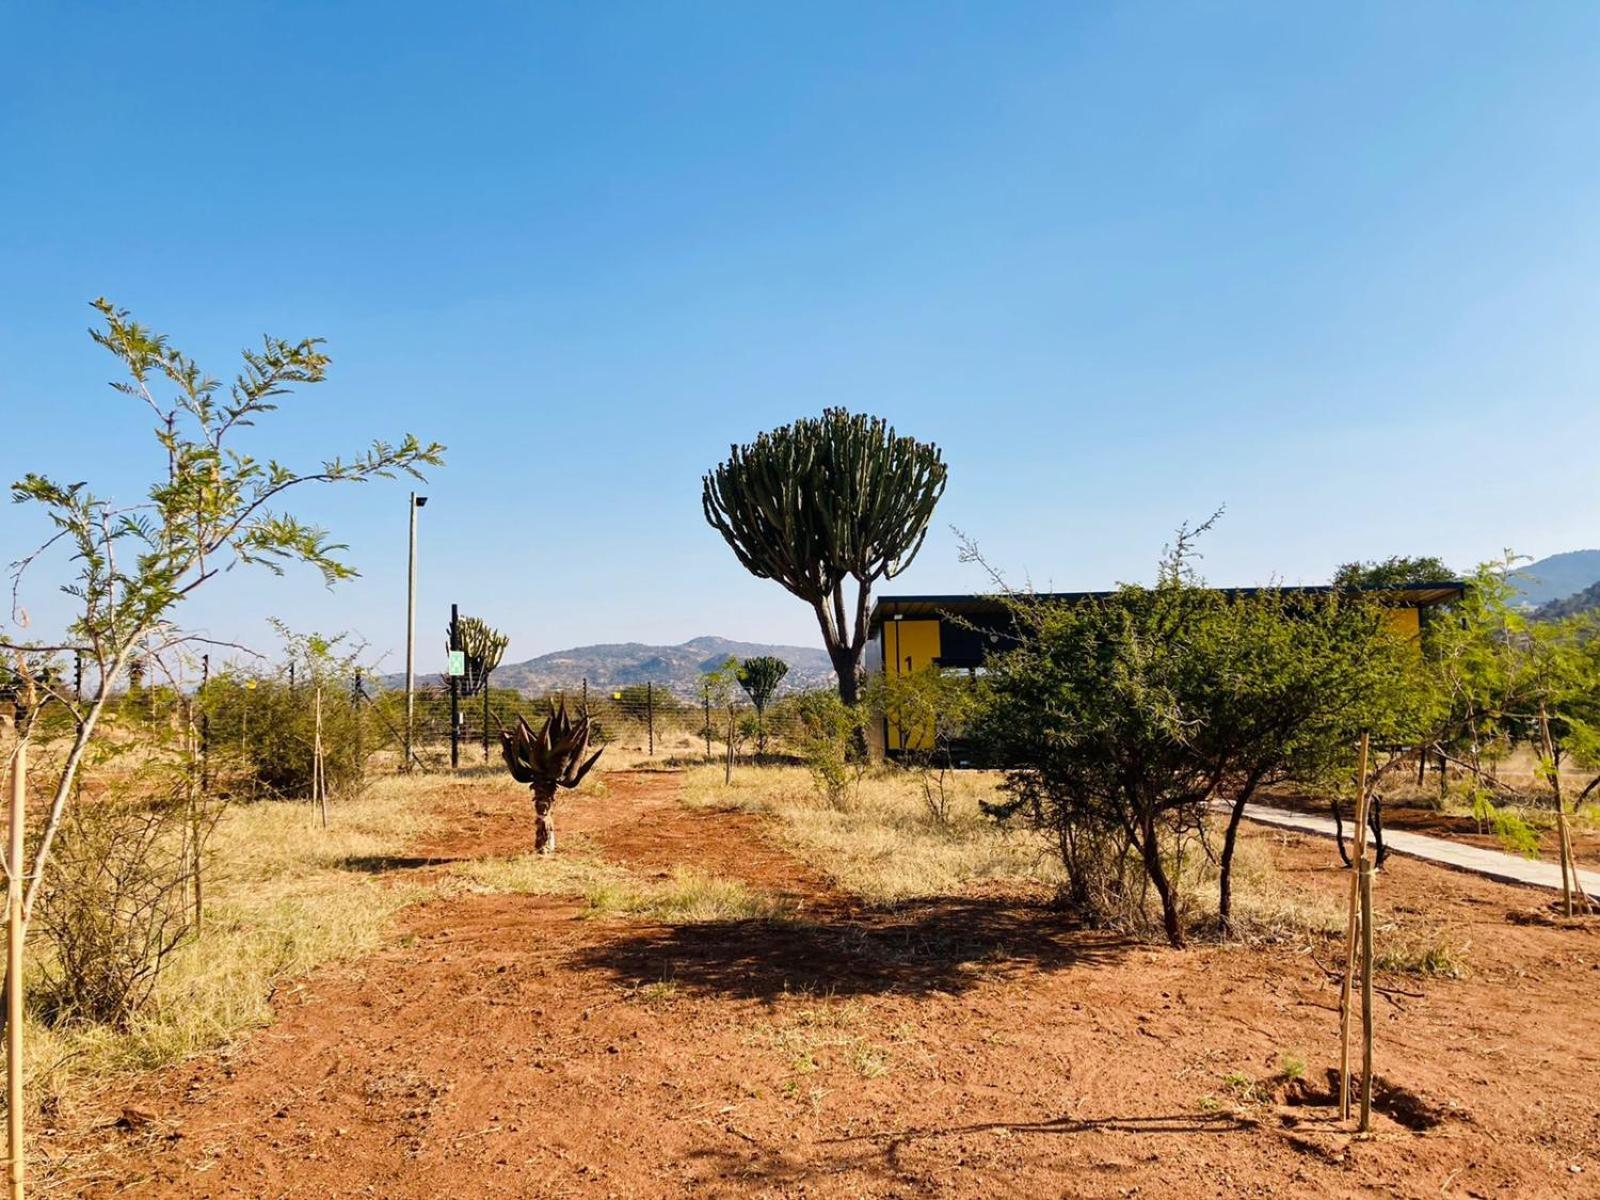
{"x": 676, "y": 668}
{"x": 1557, "y": 578}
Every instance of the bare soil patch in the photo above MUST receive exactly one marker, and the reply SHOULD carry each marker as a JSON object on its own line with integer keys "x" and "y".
{"x": 510, "y": 1045}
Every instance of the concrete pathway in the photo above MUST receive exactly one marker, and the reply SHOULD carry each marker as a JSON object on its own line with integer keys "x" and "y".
{"x": 1494, "y": 864}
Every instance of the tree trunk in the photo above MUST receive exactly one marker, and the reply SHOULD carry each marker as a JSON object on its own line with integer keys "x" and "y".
{"x": 1230, "y": 840}
{"x": 847, "y": 665}
{"x": 544, "y": 837}
{"x": 1150, "y": 848}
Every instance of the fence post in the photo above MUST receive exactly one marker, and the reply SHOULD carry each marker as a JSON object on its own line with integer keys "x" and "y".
{"x": 455, "y": 690}
{"x": 650, "y": 714}
{"x": 486, "y": 675}
{"x": 708, "y": 722}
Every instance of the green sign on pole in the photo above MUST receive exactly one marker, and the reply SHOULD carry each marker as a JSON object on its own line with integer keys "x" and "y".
{"x": 458, "y": 662}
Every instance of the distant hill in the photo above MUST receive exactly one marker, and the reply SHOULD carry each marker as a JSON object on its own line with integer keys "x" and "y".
{"x": 1557, "y": 577}
{"x": 677, "y": 668}
{"x": 1576, "y": 603}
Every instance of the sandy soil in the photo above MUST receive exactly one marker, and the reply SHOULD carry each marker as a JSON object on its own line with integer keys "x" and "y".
{"x": 506, "y": 1046}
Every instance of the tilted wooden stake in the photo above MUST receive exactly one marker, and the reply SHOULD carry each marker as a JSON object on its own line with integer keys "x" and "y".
{"x": 1561, "y": 811}
{"x": 1366, "y": 996}
{"x": 14, "y": 935}
{"x": 1357, "y": 861}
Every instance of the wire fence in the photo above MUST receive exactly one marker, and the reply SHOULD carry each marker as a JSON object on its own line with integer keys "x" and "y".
{"x": 647, "y": 717}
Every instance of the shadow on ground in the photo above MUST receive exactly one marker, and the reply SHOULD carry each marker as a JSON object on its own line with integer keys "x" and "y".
{"x": 945, "y": 946}
{"x": 379, "y": 864}
{"x": 880, "y": 1154}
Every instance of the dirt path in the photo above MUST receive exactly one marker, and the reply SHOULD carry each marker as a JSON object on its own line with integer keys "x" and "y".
{"x": 506, "y": 1046}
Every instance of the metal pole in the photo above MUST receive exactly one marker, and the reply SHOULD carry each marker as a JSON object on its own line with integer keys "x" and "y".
{"x": 708, "y": 722}
{"x": 361, "y": 724}
{"x": 455, "y": 690}
{"x": 411, "y": 636}
{"x": 650, "y": 713}
{"x": 486, "y": 675}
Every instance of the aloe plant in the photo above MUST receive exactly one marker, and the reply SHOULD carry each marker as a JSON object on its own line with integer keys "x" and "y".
{"x": 547, "y": 761}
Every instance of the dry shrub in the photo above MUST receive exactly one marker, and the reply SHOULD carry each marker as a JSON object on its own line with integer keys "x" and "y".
{"x": 116, "y": 903}
{"x": 282, "y": 896}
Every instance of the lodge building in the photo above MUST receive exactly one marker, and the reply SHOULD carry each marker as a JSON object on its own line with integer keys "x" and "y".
{"x": 957, "y": 633}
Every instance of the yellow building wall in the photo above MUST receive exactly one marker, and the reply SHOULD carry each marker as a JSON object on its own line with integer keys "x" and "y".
{"x": 1405, "y": 622}
{"x": 908, "y": 647}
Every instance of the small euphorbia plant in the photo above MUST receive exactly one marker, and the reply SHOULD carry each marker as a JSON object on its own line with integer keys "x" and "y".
{"x": 548, "y": 760}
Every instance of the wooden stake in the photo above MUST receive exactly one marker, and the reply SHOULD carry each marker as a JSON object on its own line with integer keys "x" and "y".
{"x": 319, "y": 783}
{"x": 1351, "y": 929}
{"x": 1561, "y": 811}
{"x": 1365, "y": 1124}
{"x": 15, "y": 931}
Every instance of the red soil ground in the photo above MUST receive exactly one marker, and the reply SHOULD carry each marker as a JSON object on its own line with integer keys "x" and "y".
{"x": 506, "y": 1046}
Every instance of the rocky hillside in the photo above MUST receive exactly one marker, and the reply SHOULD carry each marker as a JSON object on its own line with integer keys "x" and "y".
{"x": 677, "y": 668}
{"x": 1557, "y": 577}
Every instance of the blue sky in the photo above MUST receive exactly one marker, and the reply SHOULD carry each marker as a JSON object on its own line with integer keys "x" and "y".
{"x": 1334, "y": 266}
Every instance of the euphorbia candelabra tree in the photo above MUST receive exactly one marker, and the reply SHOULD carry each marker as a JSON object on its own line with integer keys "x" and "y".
{"x": 550, "y": 759}
{"x": 823, "y": 501}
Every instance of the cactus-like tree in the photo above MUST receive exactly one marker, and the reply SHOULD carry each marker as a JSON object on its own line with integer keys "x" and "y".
{"x": 548, "y": 760}
{"x": 482, "y": 647}
{"x": 822, "y": 501}
{"x": 760, "y": 676}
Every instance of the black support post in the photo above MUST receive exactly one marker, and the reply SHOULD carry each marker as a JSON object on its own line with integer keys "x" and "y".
{"x": 455, "y": 690}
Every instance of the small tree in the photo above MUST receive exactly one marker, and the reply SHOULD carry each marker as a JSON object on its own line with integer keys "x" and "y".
{"x": 829, "y": 732}
{"x": 550, "y": 759}
{"x": 822, "y": 501}
{"x": 760, "y": 676}
{"x": 213, "y": 507}
{"x": 931, "y": 709}
{"x": 1120, "y": 720}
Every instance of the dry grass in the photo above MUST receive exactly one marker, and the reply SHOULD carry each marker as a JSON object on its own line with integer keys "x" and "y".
{"x": 885, "y": 845}
{"x": 686, "y": 896}
{"x": 285, "y": 897}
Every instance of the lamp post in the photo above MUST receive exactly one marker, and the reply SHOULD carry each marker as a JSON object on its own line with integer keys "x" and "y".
{"x": 411, "y": 630}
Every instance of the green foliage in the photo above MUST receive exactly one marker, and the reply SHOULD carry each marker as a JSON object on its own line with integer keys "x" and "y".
{"x": 830, "y": 733}
{"x": 1398, "y": 571}
{"x": 213, "y": 506}
{"x": 1120, "y": 720}
{"x": 822, "y": 501}
{"x": 931, "y": 710}
{"x": 1515, "y": 834}
{"x": 270, "y": 727}
{"x": 1495, "y": 669}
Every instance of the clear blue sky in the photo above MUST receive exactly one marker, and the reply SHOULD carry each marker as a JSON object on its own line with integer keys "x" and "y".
{"x": 1337, "y": 267}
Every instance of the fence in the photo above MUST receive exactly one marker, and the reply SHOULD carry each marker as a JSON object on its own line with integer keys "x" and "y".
{"x": 647, "y": 717}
